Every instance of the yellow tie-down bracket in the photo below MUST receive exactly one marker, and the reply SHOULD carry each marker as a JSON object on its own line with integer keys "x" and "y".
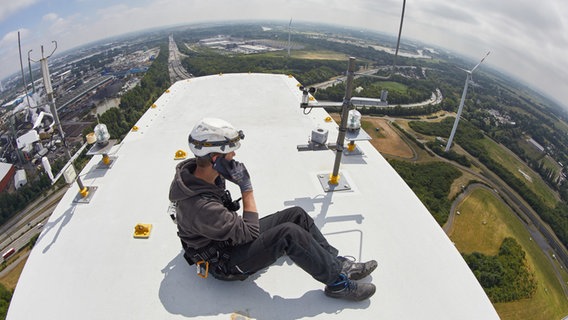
{"x": 142, "y": 230}
{"x": 202, "y": 268}
{"x": 180, "y": 155}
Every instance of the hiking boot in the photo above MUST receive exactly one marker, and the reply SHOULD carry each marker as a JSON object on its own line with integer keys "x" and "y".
{"x": 349, "y": 289}
{"x": 356, "y": 270}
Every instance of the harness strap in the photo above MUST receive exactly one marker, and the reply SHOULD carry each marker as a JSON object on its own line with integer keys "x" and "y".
{"x": 212, "y": 260}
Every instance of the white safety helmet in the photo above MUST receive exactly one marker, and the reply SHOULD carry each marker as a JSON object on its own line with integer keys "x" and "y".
{"x": 214, "y": 135}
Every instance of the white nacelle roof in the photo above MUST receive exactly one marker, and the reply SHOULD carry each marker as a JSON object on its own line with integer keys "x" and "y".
{"x": 87, "y": 264}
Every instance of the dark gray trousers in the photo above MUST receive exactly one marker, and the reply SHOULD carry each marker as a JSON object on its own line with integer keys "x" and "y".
{"x": 290, "y": 232}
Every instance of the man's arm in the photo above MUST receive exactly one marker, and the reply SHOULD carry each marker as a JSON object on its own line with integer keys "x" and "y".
{"x": 250, "y": 213}
{"x": 249, "y": 204}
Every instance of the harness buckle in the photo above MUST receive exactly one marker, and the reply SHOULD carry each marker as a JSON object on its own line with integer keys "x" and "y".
{"x": 202, "y": 268}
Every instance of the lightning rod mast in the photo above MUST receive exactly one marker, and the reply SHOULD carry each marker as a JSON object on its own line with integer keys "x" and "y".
{"x": 83, "y": 191}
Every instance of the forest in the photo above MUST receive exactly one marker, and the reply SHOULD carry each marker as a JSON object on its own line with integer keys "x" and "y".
{"x": 305, "y": 71}
{"x": 504, "y": 277}
{"x": 5, "y": 298}
{"x": 12, "y": 203}
{"x": 431, "y": 182}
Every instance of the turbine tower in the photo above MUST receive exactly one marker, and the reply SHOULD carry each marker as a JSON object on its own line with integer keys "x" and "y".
{"x": 468, "y": 79}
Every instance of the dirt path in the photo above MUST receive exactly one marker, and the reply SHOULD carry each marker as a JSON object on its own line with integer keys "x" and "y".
{"x": 388, "y": 141}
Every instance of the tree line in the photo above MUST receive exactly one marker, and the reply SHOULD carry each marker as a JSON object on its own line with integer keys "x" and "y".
{"x": 416, "y": 90}
{"x": 5, "y": 298}
{"x": 304, "y": 70}
{"x": 439, "y": 149}
{"x": 12, "y": 203}
{"x": 504, "y": 277}
{"x": 431, "y": 183}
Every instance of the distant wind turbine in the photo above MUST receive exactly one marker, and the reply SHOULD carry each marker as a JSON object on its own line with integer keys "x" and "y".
{"x": 468, "y": 79}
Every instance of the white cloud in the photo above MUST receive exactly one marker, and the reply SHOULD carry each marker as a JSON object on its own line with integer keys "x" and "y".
{"x": 50, "y": 17}
{"x": 9, "y": 7}
{"x": 11, "y": 37}
{"x": 9, "y": 56}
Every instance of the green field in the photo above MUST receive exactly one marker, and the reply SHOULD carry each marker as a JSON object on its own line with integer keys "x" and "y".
{"x": 483, "y": 223}
{"x": 392, "y": 86}
{"x": 319, "y": 55}
{"x": 520, "y": 170}
{"x": 530, "y": 150}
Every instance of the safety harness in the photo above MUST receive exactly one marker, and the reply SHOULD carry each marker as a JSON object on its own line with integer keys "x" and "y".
{"x": 212, "y": 259}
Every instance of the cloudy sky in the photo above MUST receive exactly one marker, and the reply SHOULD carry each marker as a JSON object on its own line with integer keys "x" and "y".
{"x": 527, "y": 39}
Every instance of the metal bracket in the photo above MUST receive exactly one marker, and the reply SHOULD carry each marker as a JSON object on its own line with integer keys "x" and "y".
{"x": 342, "y": 185}
{"x": 355, "y": 152}
{"x": 86, "y": 199}
{"x": 110, "y": 162}
{"x": 312, "y": 146}
{"x": 358, "y": 135}
{"x": 107, "y": 161}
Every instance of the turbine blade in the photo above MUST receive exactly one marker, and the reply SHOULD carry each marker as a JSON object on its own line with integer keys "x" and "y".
{"x": 488, "y": 52}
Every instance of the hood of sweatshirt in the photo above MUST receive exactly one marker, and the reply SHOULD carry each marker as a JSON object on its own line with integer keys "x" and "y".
{"x": 184, "y": 177}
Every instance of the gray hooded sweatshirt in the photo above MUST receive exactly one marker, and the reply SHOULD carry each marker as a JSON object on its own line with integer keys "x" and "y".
{"x": 201, "y": 216}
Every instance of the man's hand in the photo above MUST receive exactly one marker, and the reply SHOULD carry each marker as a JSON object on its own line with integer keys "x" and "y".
{"x": 235, "y": 172}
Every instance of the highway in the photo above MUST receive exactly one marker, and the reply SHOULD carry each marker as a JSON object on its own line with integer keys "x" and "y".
{"x": 17, "y": 232}
{"x": 435, "y": 99}
{"x": 177, "y": 71}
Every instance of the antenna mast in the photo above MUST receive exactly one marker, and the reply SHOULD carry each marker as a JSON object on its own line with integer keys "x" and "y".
{"x": 83, "y": 191}
{"x": 30, "y": 69}
{"x": 13, "y": 119}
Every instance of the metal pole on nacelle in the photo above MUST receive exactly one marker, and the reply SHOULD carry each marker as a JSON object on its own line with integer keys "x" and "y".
{"x": 30, "y": 69}
{"x": 334, "y": 178}
{"x": 50, "y": 97}
{"x": 51, "y": 100}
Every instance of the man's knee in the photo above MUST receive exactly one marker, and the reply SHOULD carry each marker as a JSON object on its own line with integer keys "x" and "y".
{"x": 286, "y": 234}
{"x": 299, "y": 211}
{"x": 299, "y": 216}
